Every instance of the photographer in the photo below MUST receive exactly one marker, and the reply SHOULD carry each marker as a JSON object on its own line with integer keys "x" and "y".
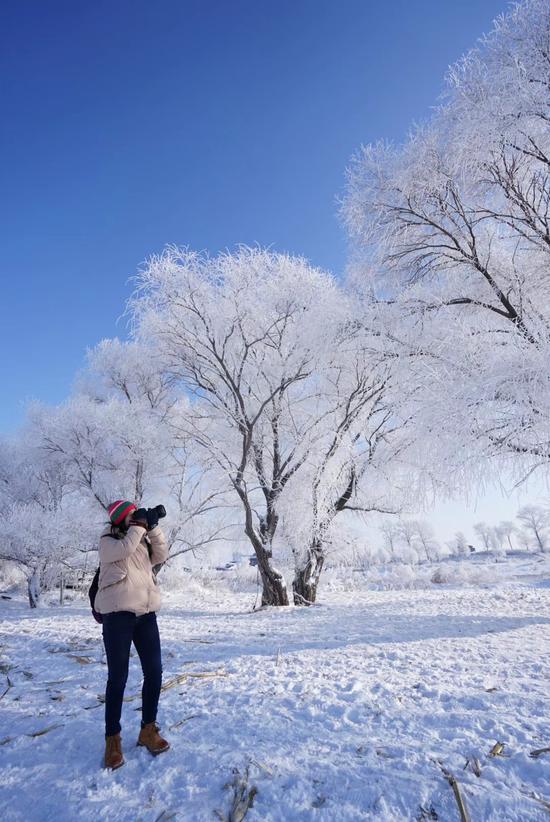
{"x": 128, "y": 598}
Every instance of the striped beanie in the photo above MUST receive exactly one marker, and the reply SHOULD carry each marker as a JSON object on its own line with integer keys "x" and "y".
{"x": 119, "y": 510}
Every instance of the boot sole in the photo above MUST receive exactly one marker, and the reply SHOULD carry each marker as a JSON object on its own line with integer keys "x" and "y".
{"x": 154, "y": 753}
{"x": 114, "y": 767}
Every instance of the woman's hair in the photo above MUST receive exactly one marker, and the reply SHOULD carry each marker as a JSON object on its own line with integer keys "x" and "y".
{"x": 117, "y": 531}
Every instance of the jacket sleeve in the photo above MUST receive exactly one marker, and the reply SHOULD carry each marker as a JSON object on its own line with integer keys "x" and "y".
{"x": 111, "y": 549}
{"x": 159, "y": 546}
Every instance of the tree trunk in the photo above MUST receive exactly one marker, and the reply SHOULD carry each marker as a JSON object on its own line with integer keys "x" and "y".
{"x": 306, "y": 579}
{"x": 34, "y": 587}
{"x": 540, "y": 543}
{"x": 274, "y": 590}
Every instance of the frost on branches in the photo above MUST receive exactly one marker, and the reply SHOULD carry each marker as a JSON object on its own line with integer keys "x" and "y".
{"x": 282, "y": 395}
{"x": 452, "y": 234}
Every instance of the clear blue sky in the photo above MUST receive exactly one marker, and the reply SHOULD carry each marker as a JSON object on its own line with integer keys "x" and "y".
{"x": 129, "y": 124}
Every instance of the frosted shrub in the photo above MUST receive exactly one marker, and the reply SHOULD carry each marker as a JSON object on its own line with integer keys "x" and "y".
{"x": 439, "y": 577}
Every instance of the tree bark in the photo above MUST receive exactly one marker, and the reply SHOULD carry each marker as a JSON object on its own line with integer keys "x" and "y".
{"x": 274, "y": 590}
{"x": 306, "y": 579}
{"x": 34, "y": 587}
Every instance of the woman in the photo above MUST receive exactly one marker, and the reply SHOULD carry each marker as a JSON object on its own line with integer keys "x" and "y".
{"x": 128, "y": 598}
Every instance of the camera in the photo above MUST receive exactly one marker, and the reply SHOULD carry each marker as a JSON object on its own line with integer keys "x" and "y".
{"x": 150, "y": 515}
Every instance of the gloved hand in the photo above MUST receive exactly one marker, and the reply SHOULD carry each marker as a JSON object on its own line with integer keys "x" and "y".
{"x": 140, "y": 518}
{"x": 152, "y": 518}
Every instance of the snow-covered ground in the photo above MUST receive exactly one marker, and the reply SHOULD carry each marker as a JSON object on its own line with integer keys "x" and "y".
{"x": 346, "y": 711}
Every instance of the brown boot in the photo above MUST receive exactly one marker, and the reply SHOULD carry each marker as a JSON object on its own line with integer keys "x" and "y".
{"x": 153, "y": 741}
{"x": 113, "y": 752}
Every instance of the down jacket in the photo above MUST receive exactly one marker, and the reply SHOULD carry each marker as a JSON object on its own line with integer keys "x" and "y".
{"x": 126, "y": 580}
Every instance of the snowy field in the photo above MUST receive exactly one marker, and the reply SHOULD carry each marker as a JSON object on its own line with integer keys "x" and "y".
{"x": 346, "y": 711}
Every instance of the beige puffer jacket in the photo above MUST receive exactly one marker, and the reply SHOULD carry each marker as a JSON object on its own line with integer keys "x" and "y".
{"x": 126, "y": 580}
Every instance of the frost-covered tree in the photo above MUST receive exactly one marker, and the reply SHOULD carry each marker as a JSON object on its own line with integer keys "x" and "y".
{"x": 288, "y": 398}
{"x": 536, "y": 522}
{"x": 390, "y": 535}
{"x": 37, "y": 511}
{"x": 459, "y": 545}
{"x": 407, "y": 532}
{"x": 504, "y": 532}
{"x": 244, "y": 334}
{"x": 425, "y": 540}
{"x": 486, "y": 533}
{"x": 358, "y": 435}
{"x": 119, "y": 437}
{"x": 452, "y": 235}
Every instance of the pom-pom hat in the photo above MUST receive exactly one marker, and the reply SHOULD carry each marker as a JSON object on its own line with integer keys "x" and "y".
{"x": 119, "y": 510}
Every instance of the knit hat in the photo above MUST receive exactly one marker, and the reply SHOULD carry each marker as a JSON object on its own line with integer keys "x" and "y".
{"x": 119, "y": 510}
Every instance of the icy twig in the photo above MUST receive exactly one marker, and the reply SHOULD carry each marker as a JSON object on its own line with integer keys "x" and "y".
{"x": 540, "y": 799}
{"x": 202, "y": 641}
{"x": 473, "y": 763}
{"x": 45, "y": 730}
{"x": 182, "y": 721}
{"x": 10, "y": 685}
{"x": 191, "y": 675}
{"x": 82, "y": 660}
{"x": 464, "y": 815}
{"x": 261, "y": 766}
{"x": 177, "y": 681}
{"x": 426, "y": 814}
{"x": 243, "y": 797}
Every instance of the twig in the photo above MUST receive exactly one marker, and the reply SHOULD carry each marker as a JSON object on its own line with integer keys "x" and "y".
{"x": 497, "y": 749}
{"x": 45, "y": 730}
{"x": 10, "y": 685}
{"x": 464, "y": 815}
{"x": 182, "y": 721}
{"x": 243, "y": 797}
{"x": 473, "y": 763}
{"x": 190, "y": 674}
{"x": 202, "y": 641}
{"x": 261, "y": 766}
{"x": 540, "y": 799}
{"x": 83, "y": 660}
{"x": 177, "y": 681}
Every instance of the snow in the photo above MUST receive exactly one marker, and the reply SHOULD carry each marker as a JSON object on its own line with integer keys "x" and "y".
{"x": 347, "y": 710}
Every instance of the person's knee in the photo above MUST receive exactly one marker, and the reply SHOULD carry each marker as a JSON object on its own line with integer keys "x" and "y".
{"x": 117, "y": 677}
{"x": 152, "y": 670}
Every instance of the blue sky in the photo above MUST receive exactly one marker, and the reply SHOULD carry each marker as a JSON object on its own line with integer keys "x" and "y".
{"x": 129, "y": 125}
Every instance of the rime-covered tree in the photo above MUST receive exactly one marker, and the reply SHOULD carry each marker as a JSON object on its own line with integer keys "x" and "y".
{"x": 536, "y": 522}
{"x": 118, "y": 436}
{"x": 37, "y": 512}
{"x": 244, "y": 333}
{"x": 451, "y": 234}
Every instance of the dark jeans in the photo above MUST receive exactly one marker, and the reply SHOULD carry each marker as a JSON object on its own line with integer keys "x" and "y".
{"x": 120, "y": 628}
